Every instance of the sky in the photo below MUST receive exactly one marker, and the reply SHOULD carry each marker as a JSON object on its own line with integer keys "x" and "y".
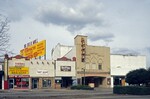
{"x": 122, "y": 25}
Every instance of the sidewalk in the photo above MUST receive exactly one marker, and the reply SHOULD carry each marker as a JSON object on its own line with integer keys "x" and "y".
{"x": 31, "y": 90}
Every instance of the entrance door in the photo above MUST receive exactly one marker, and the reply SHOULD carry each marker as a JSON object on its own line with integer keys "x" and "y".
{"x": 66, "y": 81}
{"x": 34, "y": 83}
{"x": 11, "y": 83}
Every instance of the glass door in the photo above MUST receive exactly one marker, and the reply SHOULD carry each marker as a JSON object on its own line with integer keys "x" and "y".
{"x": 11, "y": 83}
{"x": 34, "y": 83}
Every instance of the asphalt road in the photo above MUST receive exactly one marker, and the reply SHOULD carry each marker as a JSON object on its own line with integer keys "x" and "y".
{"x": 99, "y": 93}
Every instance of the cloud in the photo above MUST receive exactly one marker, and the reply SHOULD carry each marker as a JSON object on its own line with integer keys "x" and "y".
{"x": 15, "y": 10}
{"x": 125, "y": 51}
{"x": 74, "y": 16}
{"x": 108, "y": 37}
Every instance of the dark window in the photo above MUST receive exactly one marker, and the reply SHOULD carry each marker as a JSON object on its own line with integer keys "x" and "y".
{"x": 100, "y": 66}
{"x": 46, "y": 83}
{"x": 83, "y": 60}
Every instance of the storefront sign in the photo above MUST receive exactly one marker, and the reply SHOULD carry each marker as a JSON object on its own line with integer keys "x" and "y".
{"x": 18, "y": 70}
{"x": 31, "y": 43}
{"x": 19, "y": 64}
{"x": 18, "y": 76}
{"x": 42, "y": 72}
{"x": 35, "y": 50}
{"x": 65, "y": 68}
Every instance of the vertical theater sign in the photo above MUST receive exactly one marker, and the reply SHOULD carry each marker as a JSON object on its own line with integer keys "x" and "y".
{"x": 83, "y": 51}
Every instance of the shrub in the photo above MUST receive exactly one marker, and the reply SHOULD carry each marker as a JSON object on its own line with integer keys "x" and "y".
{"x": 82, "y": 87}
{"x": 137, "y": 77}
{"x": 132, "y": 90}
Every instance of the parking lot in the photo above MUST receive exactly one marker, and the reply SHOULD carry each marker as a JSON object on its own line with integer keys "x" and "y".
{"x": 98, "y": 93}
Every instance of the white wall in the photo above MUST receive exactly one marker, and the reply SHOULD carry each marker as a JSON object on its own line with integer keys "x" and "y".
{"x": 71, "y": 53}
{"x": 41, "y": 68}
{"x": 60, "y": 73}
{"x": 60, "y": 50}
{"x": 121, "y": 64}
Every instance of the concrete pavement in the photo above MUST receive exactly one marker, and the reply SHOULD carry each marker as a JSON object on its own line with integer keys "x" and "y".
{"x": 98, "y": 93}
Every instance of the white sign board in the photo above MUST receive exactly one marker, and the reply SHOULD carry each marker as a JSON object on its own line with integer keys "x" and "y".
{"x": 42, "y": 72}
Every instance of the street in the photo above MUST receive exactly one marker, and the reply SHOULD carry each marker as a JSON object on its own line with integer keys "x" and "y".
{"x": 98, "y": 93}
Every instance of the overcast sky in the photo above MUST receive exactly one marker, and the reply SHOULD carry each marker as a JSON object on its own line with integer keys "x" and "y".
{"x": 123, "y": 25}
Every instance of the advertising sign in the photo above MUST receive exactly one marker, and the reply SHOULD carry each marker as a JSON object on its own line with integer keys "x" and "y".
{"x": 35, "y": 50}
{"x": 65, "y": 68}
{"x": 18, "y": 70}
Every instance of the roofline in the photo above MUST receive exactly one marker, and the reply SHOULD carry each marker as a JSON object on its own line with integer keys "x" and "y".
{"x": 80, "y": 35}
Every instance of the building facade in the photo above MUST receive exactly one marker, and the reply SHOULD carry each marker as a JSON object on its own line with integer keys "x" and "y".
{"x": 22, "y": 73}
{"x": 122, "y": 64}
{"x": 41, "y": 74}
{"x": 65, "y": 73}
{"x": 92, "y": 62}
{"x": 81, "y": 64}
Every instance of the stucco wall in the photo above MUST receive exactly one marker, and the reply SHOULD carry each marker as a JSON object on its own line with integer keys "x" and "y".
{"x": 41, "y": 68}
{"x": 122, "y": 64}
{"x": 65, "y": 73}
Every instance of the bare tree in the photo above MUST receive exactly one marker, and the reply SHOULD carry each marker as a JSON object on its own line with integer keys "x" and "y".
{"x": 4, "y": 35}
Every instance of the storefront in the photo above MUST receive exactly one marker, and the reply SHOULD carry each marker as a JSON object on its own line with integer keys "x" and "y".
{"x": 19, "y": 82}
{"x": 42, "y": 82}
{"x": 18, "y": 77}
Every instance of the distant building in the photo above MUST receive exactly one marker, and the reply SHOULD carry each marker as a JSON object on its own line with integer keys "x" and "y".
{"x": 122, "y": 64}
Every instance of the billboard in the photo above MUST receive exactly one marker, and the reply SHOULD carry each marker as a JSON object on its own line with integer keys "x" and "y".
{"x": 18, "y": 70}
{"x": 35, "y": 50}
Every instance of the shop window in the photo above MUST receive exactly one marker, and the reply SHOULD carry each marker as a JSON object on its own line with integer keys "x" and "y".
{"x": 46, "y": 83}
{"x": 21, "y": 83}
{"x": 25, "y": 82}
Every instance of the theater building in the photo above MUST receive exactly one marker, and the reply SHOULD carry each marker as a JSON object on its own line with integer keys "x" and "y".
{"x": 92, "y": 62}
